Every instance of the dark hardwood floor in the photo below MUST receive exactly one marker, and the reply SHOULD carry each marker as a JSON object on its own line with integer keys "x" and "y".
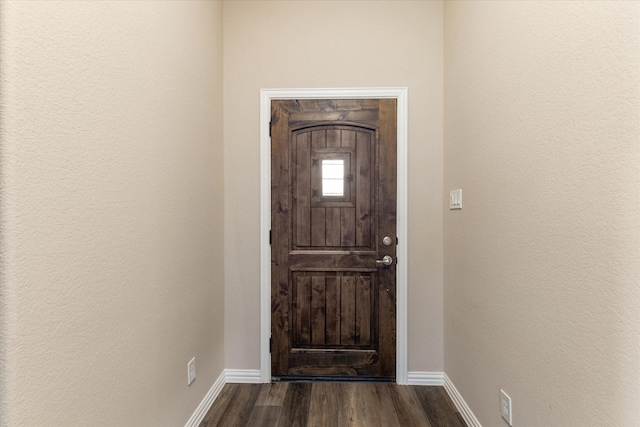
{"x": 332, "y": 404}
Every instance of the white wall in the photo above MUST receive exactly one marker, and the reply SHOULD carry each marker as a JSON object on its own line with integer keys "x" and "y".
{"x": 542, "y": 263}
{"x": 111, "y": 199}
{"x": 309, "y": 44}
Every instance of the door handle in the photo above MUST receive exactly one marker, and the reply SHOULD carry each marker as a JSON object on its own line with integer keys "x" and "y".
{"x": 386, "y": 260}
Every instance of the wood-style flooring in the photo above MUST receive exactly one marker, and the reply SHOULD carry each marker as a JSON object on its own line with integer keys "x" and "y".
{"x": 332, "y": 404}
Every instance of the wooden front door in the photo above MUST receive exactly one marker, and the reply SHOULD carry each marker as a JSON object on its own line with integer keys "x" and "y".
{"x": 333, "y": 220}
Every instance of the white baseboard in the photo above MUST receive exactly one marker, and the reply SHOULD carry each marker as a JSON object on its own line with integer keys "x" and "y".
{"x": 462, "y": 406}
{"x": 245, "y": 376}
{"x": 425, "y": 378}
{"x": 206, "y": 403}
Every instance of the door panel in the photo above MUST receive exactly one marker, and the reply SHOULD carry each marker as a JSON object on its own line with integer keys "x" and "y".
{"x": 333, "y": 201}
{"x": 332, "y": 221}
{"x": 333, "y": 309}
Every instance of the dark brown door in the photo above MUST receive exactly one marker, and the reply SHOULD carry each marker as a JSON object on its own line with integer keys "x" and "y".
{"x": 333, "y": 186}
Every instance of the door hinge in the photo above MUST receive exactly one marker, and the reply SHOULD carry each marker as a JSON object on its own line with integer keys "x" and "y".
{"x": 270, "y": 236}
{"x": 270, "y": 126}
{"x": 396, "y": 260}
{"x": 396, "y": 240}
{"x": 270, "y": 344}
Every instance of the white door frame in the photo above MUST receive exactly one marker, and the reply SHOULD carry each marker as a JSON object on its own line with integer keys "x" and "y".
{"x": 266, "y": 95}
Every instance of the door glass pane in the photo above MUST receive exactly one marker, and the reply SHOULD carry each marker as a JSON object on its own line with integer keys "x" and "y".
{"x": 333, "y": 177}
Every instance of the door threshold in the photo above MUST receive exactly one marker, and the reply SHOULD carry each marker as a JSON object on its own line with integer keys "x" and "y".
{"x": 331, "y": 378}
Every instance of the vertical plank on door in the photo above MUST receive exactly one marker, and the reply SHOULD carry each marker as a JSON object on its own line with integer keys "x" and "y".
{"x": 333, "y": 138}
{"x": 348, "y": 311}
{"x": 332, "y": 316}
{"x": 332, "y": 229}
{"x": 318, "y": 227}
{"x": 302, "y": 192}
{"x": 363, "y": 189}
{"x": 348, "y": 226}
{"x": 316, "y": 175}
{"x": 348, "y": 139}
{"x": 318, "y": 139}
{"x": 302, "y": 333}
{"x": 318, "y": 307}
{"x": 363, "y": 311}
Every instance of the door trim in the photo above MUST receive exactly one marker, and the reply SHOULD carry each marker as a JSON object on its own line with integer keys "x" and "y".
{"x": 266, "y": 95}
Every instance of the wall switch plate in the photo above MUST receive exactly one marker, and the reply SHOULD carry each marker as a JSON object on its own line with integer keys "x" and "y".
{"x": 505, "y": 407}
{"x": 191, "y": 371}
{"x": 455, "y": 199}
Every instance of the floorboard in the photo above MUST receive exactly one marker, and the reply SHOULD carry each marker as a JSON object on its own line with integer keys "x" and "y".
{"x": 272, "y": 394}
{"x": 328, "y": 405}
{"x": 436, "y": 407}
{"x": 332, "y": 404}
{"x": 219, "y": 406}
{"x": 408, "y": 407}
{"x": 373, "y": 405}
{"x": 265, "y": 416}
{"x": 295, "y": 409}
{"x": 239, "y": 409}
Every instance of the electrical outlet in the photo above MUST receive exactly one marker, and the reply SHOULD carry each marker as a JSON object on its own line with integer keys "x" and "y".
{"x": 505, "y": 407}
{"x": 191, "y": 371}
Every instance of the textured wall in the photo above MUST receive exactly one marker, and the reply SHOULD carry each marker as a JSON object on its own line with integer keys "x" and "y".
{"x": 275, "y": 44}
{"x": 111, "y": 211}
{"x": 542, "y": 263}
